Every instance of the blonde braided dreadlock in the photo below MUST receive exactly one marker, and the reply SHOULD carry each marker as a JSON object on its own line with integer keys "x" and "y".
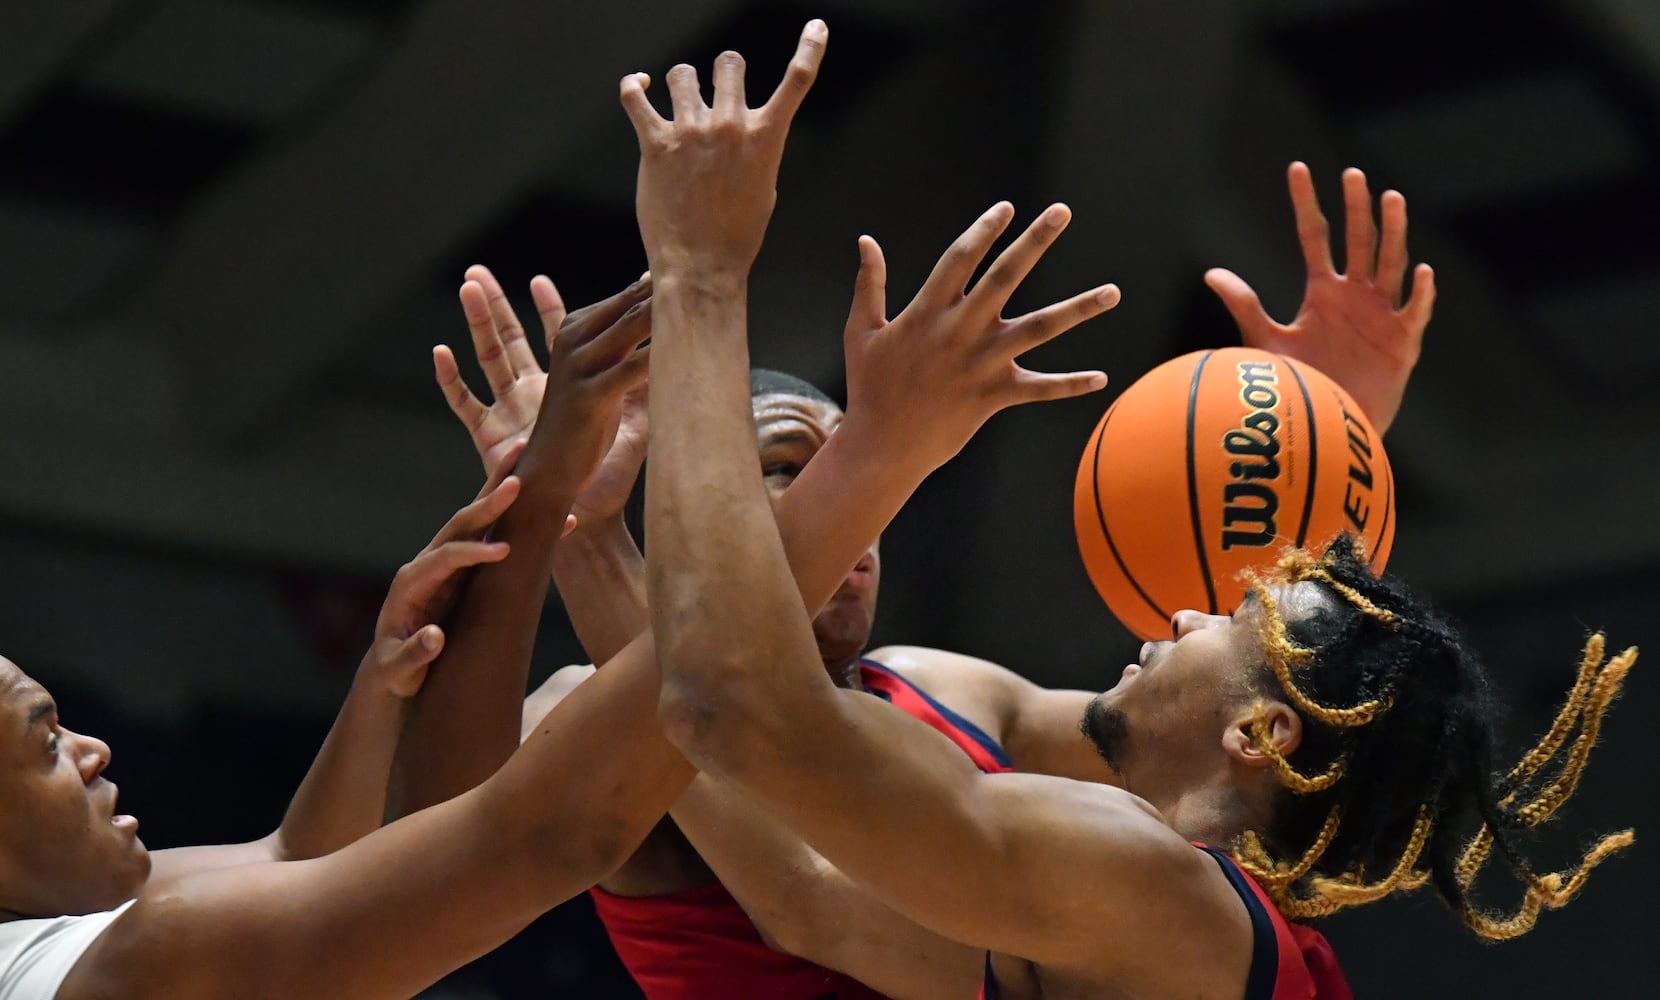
{"x": 1393, "y": 701}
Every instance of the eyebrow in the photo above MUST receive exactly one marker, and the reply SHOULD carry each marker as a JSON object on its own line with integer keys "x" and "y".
{"x": 787, "y": 437}
{"x": 41, "y": 710}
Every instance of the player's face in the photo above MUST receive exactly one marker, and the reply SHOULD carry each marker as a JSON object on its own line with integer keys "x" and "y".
{"x": 63, "y": 848}
{"x": 1179, "y": 696}
{"x": 789, "y": 431}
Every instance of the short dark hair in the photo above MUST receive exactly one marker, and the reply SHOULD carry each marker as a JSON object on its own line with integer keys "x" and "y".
{"x": 1396, "y": 761}
{"x": 766, "y": 382}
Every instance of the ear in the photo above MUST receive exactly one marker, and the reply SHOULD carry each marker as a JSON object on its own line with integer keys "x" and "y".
{"x": 1285, "y": 732}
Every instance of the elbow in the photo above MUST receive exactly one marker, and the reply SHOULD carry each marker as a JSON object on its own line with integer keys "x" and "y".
{"x": 688, "y": 713}
{"x": 706, "y": 710}
{"x": 790, "y": 933}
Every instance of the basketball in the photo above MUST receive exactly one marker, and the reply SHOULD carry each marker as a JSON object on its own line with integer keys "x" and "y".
{"x": 1215, "y": 463}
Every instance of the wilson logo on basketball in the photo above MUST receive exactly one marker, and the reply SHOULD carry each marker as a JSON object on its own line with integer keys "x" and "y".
{"x": 1250, "y": 502}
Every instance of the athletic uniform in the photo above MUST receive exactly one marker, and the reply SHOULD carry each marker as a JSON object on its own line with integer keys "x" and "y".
{"x": 698, "y": 944}
{"x": 1288, "y": 961}
{"x": 37, "y": 955}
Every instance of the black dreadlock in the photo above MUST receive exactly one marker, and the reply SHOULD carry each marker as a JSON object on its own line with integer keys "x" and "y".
{"x": 1398, "y": 737}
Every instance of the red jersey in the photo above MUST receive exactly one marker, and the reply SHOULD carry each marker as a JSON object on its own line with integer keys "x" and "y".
{"x": 699, "y": 943}
{"x": 1288, "y": 961}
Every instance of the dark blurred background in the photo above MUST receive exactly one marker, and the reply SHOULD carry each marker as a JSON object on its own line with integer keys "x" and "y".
{"x": 230, "y": 231}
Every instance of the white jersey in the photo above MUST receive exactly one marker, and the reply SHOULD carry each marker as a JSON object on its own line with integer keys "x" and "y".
{"x": 36, "y": 955}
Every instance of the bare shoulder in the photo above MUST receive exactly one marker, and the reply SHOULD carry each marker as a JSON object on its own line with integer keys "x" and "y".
{"x": 946, "y": 674}
{"x": 552, "y": 691}
{"x": 989, "y": 695}
{"x": 139, "y": 954}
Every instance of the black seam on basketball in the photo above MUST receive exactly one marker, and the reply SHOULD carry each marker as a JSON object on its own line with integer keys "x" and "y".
{"x": 1388, "y": 508}
{"x": 1313, "y": 454}
{"x": 1193, "y": 481}
{"x": 1100, "y": 515}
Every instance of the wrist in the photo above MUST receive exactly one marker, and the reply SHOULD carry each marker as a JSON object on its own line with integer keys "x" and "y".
{"x": 883, "y": 447}
{"x": 699, "y": 279}
{"x": 374, "y": 681}
{"x": 593, "y": 539}
{"x": 599, "y": 529}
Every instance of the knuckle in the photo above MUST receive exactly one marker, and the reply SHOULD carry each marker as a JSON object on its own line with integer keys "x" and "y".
{"x": 998, "y": 276}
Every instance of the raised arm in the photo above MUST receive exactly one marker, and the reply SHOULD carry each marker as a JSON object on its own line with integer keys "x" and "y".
{"x": 392, "y": 912}
{"x": 1352, "y": 326}
{"x": 343, "y": 796}
{"x": 598, "y": 567}
{"x": 466, "y": 720}
{"x": 736, "y": 651}
{"x": 1025, "y": 864}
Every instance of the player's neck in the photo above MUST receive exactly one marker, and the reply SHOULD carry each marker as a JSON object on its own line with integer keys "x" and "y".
{"x": 1211, "y": 812}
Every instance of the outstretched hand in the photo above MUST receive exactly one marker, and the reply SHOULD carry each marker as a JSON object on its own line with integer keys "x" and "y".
{"x": 936, "y": 372}
{"x": 592, "y": 368}
{"x": 518, "y": 384}
{"x": 1351, "y": 326}
{"x": 708, "y": 176}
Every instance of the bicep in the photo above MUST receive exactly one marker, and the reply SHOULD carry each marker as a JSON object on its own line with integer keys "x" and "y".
{"x": 1044, "y": 734}
{"x": 1024, "y": 864}
{"x": 387, "y": 916}
{"x": 177, "y": 862}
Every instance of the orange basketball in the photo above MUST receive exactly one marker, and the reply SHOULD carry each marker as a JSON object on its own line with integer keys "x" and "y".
{"x": 1214, "y": 463}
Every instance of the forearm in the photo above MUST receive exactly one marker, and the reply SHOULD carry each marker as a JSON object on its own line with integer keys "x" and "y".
{"x": 702, "y": 429}
{"x": 393, "y": 912}
{"x": 343, "y": 796}
{"x": 601, "y": 578}
{"x": 805, "y": 906}
{"x": 465, "y": 721}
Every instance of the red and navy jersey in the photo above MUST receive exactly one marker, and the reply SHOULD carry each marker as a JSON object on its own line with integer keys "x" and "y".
{"x": 698, "y": 944}
{"x": 902, "y": 694}
{"x": 1288, "y": 961}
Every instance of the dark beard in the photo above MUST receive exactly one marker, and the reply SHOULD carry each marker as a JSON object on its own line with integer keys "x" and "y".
{"x": 1108, "y": 730}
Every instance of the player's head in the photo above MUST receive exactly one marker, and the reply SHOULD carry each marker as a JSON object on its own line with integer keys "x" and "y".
{"x": 793, "y": 420}
{"x": 1356, "y": 731}
{"x": 62, "y": 852}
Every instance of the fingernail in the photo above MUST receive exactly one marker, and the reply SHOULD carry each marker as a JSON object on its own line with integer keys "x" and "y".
{"x": 429, "y": 639}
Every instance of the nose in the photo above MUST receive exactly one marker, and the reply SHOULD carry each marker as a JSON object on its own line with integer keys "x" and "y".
{"x": 92, "y": 755}
{"x": 1188, "y": 620}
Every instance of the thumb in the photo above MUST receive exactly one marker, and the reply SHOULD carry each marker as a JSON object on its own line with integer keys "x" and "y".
{"x": 1242, "y": 303}
{"x": 406, "y": 665}
{"x": 870, "y": 289}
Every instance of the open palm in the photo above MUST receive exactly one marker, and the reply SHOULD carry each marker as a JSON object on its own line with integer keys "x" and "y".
{"x": 518, "y": 383}
{"x": 1351, "y": 326}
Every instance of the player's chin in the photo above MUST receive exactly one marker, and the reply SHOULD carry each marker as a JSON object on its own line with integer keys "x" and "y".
{"x": 132, "y": 865}
{"x": 843, "y": 629}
